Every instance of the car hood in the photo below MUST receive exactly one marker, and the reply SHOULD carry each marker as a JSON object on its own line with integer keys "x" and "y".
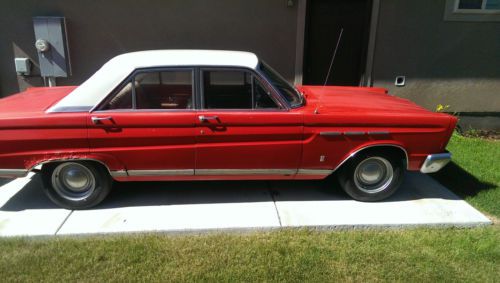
{"x": 32, "y": 100}
{"x": 357, "y": 99}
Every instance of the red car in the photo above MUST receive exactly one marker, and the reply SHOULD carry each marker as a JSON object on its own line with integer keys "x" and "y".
{"x": 213, "y": 115}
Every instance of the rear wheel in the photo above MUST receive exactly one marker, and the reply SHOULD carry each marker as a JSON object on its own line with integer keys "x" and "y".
{"x": 76, "y": 185}
{"x": 372, "y": 176}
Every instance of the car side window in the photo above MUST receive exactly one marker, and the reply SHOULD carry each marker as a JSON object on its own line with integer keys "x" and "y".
{"x": 262, "y": 97}
{"x": 121, "y": 100}
{"x": 234, "y": 89}
{"x": 154, "y": 90}
{"x": 164, "y": 90}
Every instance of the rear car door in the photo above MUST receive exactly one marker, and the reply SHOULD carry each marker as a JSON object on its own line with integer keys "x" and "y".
{"x": 148, "y": 124}
{"x": 242, "y": 129}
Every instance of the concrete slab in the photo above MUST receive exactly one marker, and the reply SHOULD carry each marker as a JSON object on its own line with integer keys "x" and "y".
{"x": 196, "y": 206}
{"x": 420, "y": 201}
{"x": 178, "y": 206}
{"x": 26, "y": 211}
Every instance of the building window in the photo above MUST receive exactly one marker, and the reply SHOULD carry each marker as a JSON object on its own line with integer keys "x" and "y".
{"x": 476, "y": 6}
{"x": 472, "y": 10}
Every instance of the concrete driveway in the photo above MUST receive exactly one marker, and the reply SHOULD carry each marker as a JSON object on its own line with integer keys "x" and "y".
{"x": 199, "y": 206}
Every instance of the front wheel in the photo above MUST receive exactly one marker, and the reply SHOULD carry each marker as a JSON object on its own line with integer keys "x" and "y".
{"x": 372, "y": 176}
{"x": 76, "y": 185}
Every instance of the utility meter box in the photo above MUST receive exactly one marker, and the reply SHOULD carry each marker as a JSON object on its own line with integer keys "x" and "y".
{"x": 23, "y": 66}
{"x": 52, "y": 46}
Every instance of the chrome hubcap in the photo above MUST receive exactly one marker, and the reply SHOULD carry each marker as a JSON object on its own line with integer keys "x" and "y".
{"x": 373, "y": 175}
{"x": 73, "y": 181}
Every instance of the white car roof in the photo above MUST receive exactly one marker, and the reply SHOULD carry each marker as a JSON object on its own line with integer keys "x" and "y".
{"x": 99, "y": 85}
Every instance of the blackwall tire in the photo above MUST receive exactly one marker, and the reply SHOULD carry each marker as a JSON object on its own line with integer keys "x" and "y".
{"x": 76, "y": 184}
{"x": 372, "y": 176}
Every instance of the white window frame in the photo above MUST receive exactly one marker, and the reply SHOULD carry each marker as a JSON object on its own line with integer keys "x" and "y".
{"x": 483, "y": 9}
{"x": 453, "y": 13}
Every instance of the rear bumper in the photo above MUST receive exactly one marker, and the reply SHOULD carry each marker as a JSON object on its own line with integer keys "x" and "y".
{"x": 434, "y": 162}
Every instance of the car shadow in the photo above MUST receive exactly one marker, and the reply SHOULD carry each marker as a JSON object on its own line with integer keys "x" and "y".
{"x": 130, "y": 194}
{"x": 5, "y": 181}
{"x": 462, "y": 182}
{"x": 31, "y": 196}
{"x": 135, "y": 194}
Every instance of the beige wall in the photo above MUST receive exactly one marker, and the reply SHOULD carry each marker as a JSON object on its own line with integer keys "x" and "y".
{"x": 453, "y": 63}
{"x": 99, "y": 30}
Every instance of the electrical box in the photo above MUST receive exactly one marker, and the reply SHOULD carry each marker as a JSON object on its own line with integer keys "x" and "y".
{"x": 52, "y": 46}
{"x": 23, "y": 66}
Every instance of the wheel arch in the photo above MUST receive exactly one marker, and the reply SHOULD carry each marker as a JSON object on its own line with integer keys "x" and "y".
{"x": 388, "y": 148}
{"x": 60, "y": 160}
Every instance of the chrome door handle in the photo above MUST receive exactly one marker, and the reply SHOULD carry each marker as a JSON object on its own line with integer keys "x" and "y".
{"x": 206, "y": 118}
{"x": 97, "y": 120}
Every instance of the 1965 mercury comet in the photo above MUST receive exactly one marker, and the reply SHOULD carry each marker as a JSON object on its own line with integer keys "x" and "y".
{"x": 206, "y": 115}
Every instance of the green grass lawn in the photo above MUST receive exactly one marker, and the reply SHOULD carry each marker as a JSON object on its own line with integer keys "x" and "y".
{"x": 474, "y": 173}
{"x": 286, "y": 255}
{"x": 471, "y": 255}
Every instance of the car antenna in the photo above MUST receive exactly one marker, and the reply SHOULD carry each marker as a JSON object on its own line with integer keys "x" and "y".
{"x": 331, "y": 65}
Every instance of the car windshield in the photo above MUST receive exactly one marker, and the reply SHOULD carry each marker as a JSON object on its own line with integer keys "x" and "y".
{"x": 294, "y": 97}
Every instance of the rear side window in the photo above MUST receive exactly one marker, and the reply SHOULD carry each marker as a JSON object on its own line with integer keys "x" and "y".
{"x": 155, "y": 90}
{"x": 234, "y": 89}
{"x": 164, "y": 90}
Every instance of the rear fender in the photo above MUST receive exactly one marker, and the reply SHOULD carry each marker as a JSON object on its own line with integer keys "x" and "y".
{"x": 364, "y": 147}
{"x": 115, "y": 167}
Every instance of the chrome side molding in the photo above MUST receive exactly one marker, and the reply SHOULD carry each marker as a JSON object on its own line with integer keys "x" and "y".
{"x": 314, "y": 172}
{"x": 153, "y": 173}
{"x": 13, "y": 173}
{"x": 118, "y": 174}
{"x": 378, "y": 133}
{"x": 354, "y": 133}
{"x": 18, "y": 173}
{"x": 207, "y": 172}
{"x": 330, "y": 134}
{"x": 214, "y": 172}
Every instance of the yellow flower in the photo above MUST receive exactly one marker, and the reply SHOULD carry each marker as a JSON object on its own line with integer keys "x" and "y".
{"x": 441, "y": 107}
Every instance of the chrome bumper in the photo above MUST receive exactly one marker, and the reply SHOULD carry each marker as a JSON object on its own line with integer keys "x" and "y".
{"x": 434, "y": 162}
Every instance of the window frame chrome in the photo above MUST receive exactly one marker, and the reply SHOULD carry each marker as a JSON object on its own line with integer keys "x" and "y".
{"x": 258, "y": 69}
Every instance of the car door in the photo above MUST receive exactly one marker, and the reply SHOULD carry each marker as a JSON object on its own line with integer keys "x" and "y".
{"x": 148, "y": 124}
{"x": 242, "y": 129}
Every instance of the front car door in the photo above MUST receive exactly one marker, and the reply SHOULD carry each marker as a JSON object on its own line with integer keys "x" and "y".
{"x": 148, "y": 125}
{"x": 243, "y": 130}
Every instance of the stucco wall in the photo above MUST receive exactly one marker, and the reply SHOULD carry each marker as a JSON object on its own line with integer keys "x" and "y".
{"x": 451, "y": 63}
{"x": 454, "y": 63}
{"x": 99, "y": 30}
